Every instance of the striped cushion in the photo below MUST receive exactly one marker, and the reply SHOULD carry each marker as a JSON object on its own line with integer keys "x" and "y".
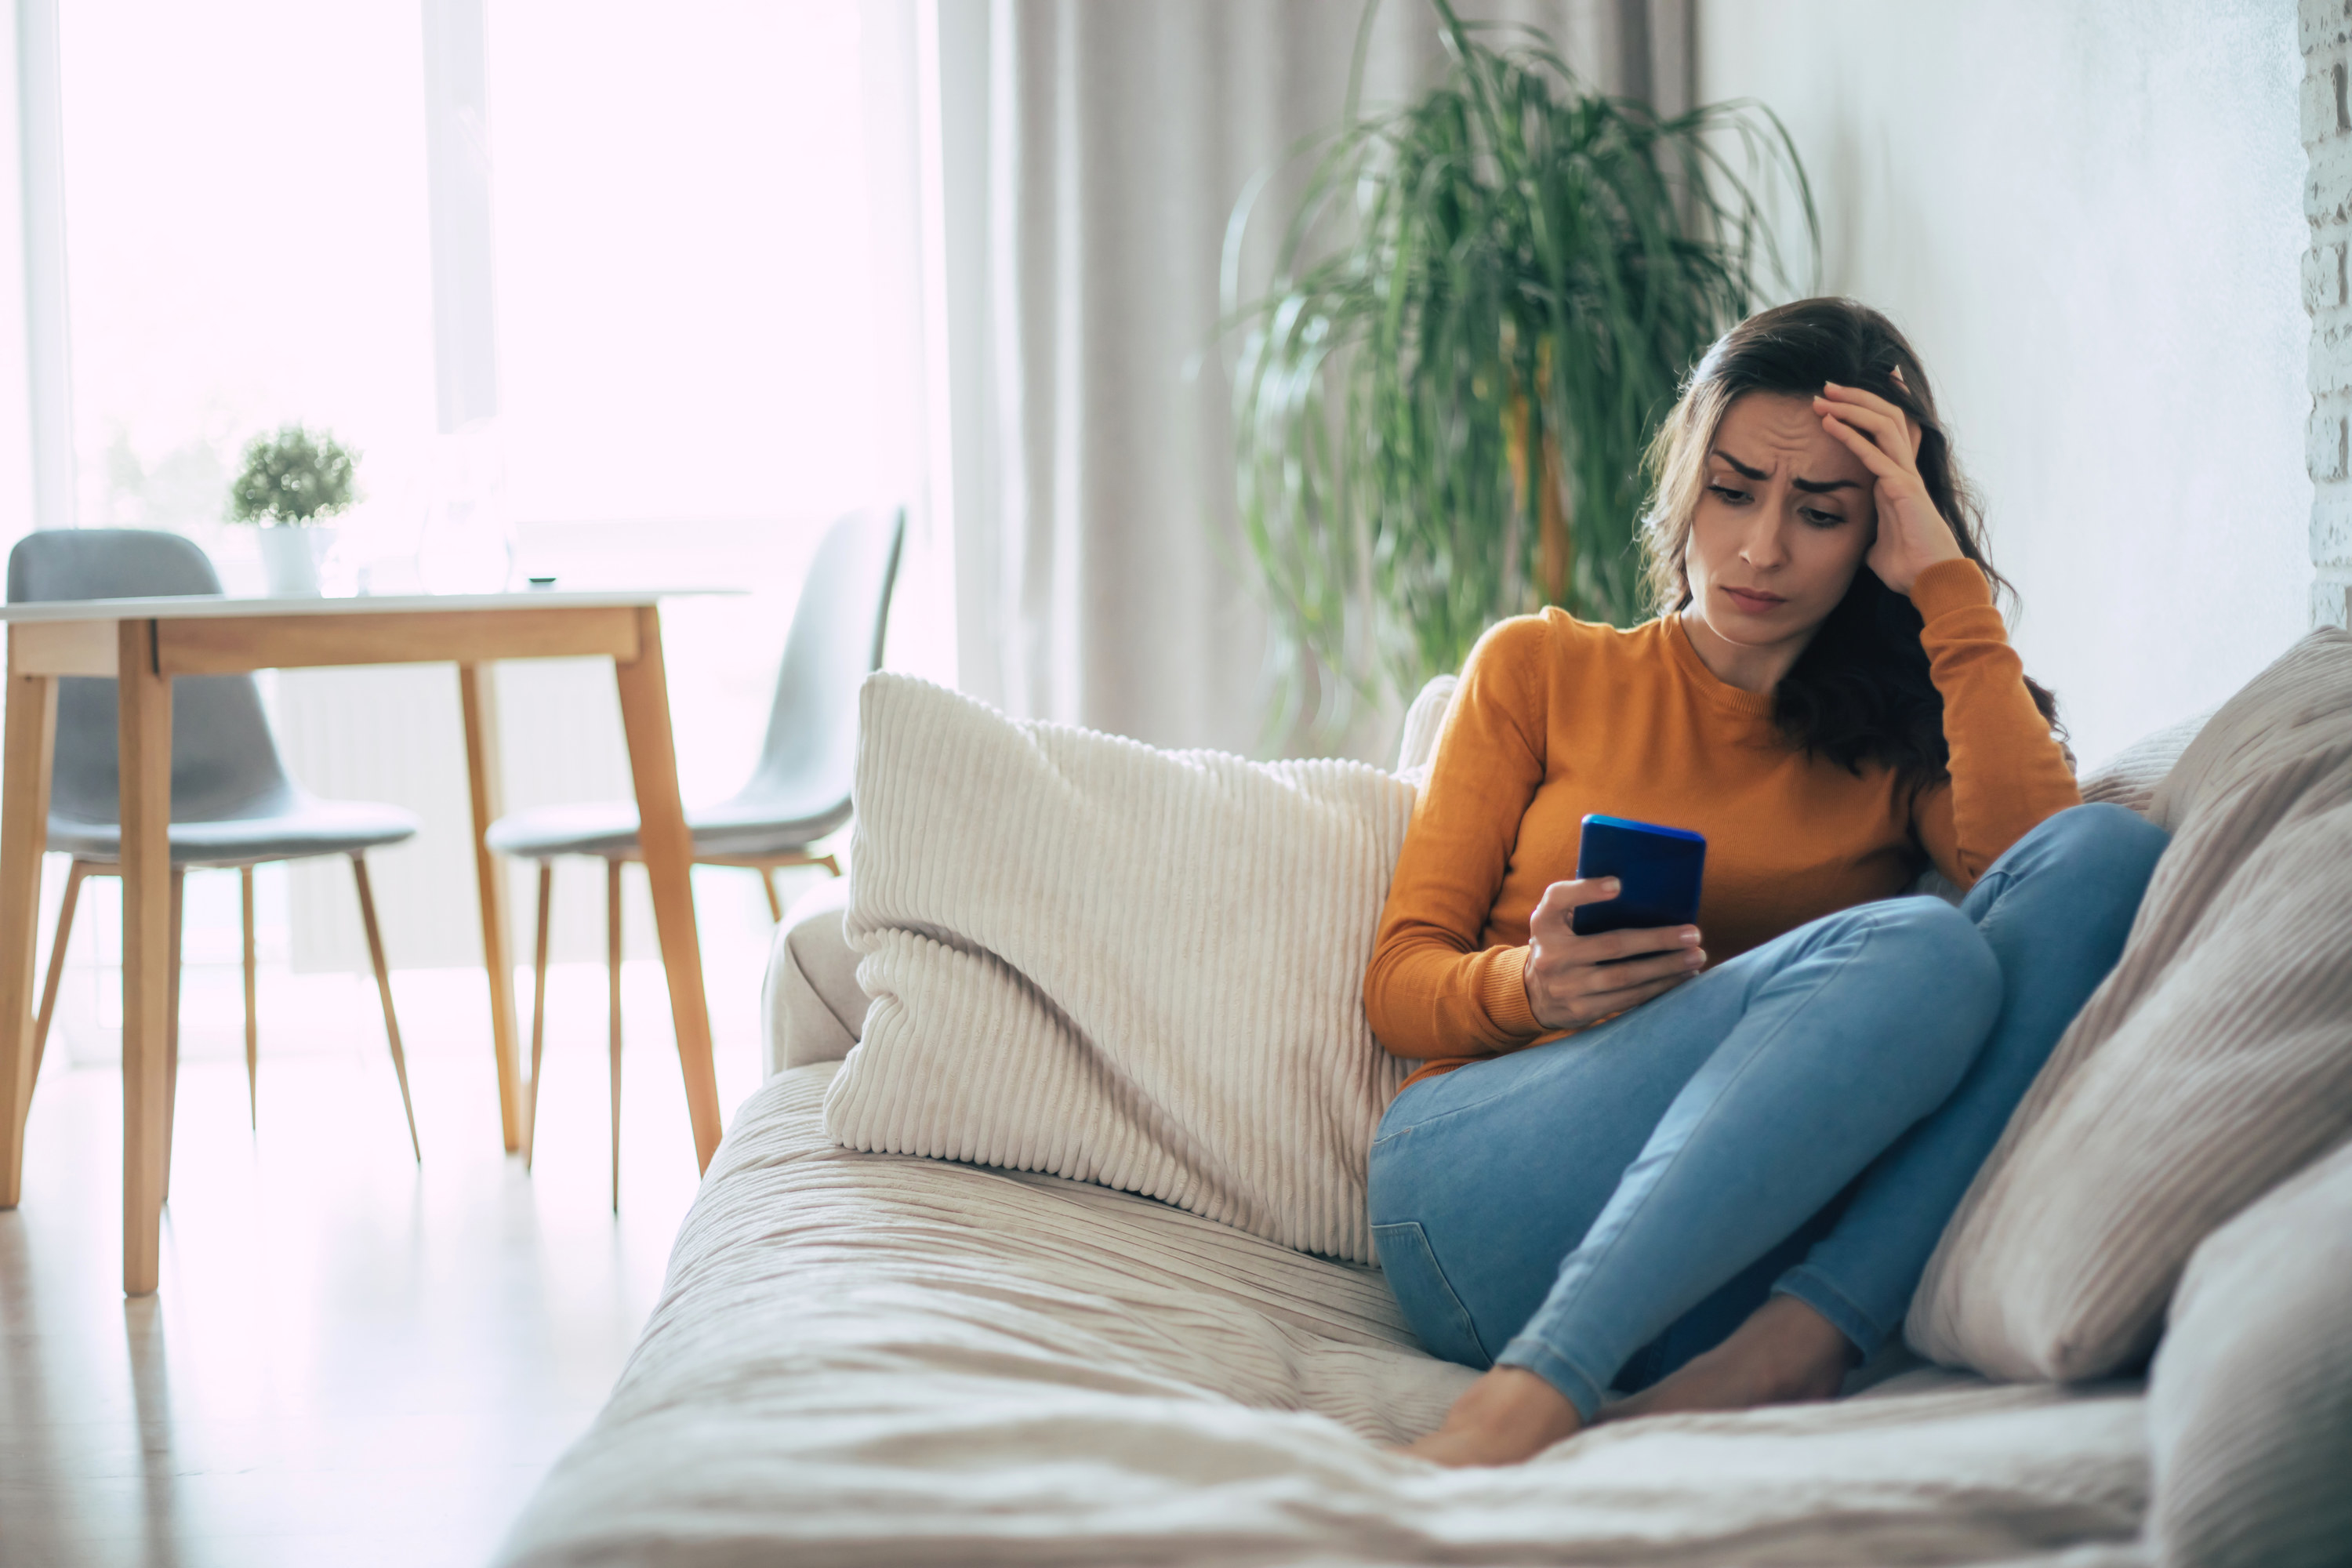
{"x": 1124, "y": 965}
{"x": 2215, "y": 1059}
{"x": 2130, "y": 777}
{"x": 2250, "y": 1403}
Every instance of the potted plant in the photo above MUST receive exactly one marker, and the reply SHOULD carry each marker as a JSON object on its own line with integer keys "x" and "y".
{"x": 292, "y": 479}
{"x": 1513, "y": 264}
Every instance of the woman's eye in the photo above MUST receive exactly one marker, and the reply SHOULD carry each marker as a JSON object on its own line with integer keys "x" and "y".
{"x": 1728, "y": 493}
{"x": 1822, "y": 518}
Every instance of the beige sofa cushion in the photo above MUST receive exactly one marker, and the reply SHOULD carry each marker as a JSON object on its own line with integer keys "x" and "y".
{"x": 1125, "y": 965}
{"x": 2250, "y": 1403}
{"x": 811, "y": 1009}
{"x": 2215, "y": 1059}
{"x": 2130, "y": 777}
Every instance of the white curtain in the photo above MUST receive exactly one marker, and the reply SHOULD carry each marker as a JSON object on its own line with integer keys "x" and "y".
{"x": 1089, "y": 156}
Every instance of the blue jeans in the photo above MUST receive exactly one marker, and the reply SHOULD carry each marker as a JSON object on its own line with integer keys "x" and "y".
{"x": 1800, "y": 1119}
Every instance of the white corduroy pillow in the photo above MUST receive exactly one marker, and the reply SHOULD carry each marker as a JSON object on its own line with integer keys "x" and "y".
{"x": 2250, "y": 1402}
{"x": 2213, "y": 1061}
{"x": 1120, "y": 964}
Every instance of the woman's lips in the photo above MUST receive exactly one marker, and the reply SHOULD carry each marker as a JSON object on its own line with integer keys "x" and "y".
{"x": 1755, "y": 603}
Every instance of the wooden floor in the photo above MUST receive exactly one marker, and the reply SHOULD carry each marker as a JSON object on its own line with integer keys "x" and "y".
{"x": 353, "y": 1360}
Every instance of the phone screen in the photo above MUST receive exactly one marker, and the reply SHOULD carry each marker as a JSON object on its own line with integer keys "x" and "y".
{"x": 1658, "y": 870}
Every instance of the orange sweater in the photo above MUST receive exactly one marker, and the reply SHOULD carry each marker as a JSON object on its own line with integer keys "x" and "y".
{"x": 1557, "y": 718}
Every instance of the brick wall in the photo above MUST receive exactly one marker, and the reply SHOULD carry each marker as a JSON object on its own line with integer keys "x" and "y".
{"x": 2326, "y": 31}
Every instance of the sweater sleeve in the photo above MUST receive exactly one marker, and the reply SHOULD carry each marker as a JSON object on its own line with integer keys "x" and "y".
{"x": 1431, "y": 990}
{"x": 2008, "y": 772}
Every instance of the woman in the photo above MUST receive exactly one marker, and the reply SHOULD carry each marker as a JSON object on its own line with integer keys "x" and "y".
{"x": 1710, "y": 1162}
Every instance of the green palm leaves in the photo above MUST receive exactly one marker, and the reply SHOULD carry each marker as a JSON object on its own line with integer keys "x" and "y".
{"x": 1520, "y": 265}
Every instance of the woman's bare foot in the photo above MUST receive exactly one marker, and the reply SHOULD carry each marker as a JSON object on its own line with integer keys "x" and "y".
{"x": 1506, "y": 1417}
{"x": 1785, "y": 1353}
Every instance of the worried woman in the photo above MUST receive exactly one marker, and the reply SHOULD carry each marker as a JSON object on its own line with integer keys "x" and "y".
{"x": 1706, "y": 1164}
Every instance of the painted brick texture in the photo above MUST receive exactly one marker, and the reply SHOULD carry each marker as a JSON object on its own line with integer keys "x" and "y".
{"x": 2326, "y": 35}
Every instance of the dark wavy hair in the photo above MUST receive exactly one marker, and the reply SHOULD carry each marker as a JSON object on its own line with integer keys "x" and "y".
{"x": 1860, "y": 692}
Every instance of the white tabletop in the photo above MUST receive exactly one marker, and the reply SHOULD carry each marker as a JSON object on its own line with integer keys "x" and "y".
{"x": 215, "y": 607}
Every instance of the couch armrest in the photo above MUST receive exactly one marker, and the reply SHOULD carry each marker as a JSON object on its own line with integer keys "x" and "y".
{"x": 811, "y": 1009}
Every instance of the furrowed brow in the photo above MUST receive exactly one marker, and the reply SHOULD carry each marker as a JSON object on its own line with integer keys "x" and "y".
{"x": 1744, "y": 469}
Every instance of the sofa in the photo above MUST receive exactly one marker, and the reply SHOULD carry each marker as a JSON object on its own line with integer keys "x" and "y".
{"x": 1032, "y": 1252}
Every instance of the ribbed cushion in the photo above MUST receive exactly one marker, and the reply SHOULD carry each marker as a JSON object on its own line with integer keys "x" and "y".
{"x": 810, "y": 1006}
{"x": 2131, "y": 777}
{"x": 2215, "y": 1059}
{"x": 2250, "y": 1403}
{"x": 1125, "y": 965}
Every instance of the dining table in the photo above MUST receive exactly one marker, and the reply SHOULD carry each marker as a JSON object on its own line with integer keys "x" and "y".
{"x": 144, "y": 645}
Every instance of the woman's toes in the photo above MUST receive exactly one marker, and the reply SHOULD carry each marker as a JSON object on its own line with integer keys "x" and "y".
{"x": 1506, "y": 1417}
{"x": 1786, "y": 1353}
{"x": 1471, "y": 1449}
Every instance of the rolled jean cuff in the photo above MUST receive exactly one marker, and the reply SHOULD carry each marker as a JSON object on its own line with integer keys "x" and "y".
{"x": 1807, "y": 1285}
{"x": 1555, "y": 1369}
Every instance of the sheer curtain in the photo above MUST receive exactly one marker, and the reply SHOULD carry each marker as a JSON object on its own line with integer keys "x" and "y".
{"x": 1088, "y": 157}
{"x": 642, "y": 242}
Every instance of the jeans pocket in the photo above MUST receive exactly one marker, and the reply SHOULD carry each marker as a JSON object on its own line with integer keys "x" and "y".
{"x": 1435, "y": 1313}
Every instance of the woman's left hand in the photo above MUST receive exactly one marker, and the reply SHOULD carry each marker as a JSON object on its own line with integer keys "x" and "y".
{"x": 1912, "y": 534}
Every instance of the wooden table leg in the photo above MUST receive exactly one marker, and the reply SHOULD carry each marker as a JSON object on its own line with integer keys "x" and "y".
{"x": 32, "y": 729}
{"x": 668, "y": 851}
{"x": 252, "y": 1015}
{"x": 171, "y": 1021}
{"x": 144, "y": 705}
{"x": 537, "y": 1008}
{"x": 478, "y": 696}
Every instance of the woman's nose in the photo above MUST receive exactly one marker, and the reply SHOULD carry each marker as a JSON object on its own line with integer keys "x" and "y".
{"x": 1762, "y": 547}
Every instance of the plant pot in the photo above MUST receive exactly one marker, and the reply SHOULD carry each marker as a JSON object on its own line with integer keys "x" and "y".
{"x": 289, "y": 558}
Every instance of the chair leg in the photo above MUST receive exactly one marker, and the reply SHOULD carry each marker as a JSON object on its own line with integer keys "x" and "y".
{"x": 252, "y": 1013}
{"x": 829, "y": 863}
{"x": 172, "y": 1026}
{"x": 538, "y": 1010}
{"x": 74, "y": 875}
{"x": 384, "y": 989}
{"x": 768, "y": 881}
{"x": 613, "y": 971}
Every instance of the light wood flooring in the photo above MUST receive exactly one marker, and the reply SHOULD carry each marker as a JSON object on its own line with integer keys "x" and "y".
{"x": 353, "y": 1360}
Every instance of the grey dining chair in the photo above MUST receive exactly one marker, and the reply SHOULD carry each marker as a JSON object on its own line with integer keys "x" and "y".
{"x": 798, "y": 793}
{"x": 233, "y": 805}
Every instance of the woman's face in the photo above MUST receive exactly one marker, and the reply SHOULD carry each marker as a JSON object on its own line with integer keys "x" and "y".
{"x": 1781, "y": 527}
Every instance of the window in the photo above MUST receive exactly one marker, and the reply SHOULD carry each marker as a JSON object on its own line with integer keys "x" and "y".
{"x": 245, "y": 225}
{"x": 684, "y": 280}
{"x": 685, "y": 309}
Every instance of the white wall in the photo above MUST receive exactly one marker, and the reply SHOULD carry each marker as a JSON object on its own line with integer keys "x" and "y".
{"x": 2088, "y": 217}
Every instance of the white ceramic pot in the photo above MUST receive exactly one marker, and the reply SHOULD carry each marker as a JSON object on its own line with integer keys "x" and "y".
{"x": 289, "y": 558}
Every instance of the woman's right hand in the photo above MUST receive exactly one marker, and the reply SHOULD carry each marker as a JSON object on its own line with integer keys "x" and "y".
{"x": 1572, "y": 980}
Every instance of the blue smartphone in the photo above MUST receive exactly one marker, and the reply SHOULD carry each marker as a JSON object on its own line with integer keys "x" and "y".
{"x": 1657, "y": 869}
